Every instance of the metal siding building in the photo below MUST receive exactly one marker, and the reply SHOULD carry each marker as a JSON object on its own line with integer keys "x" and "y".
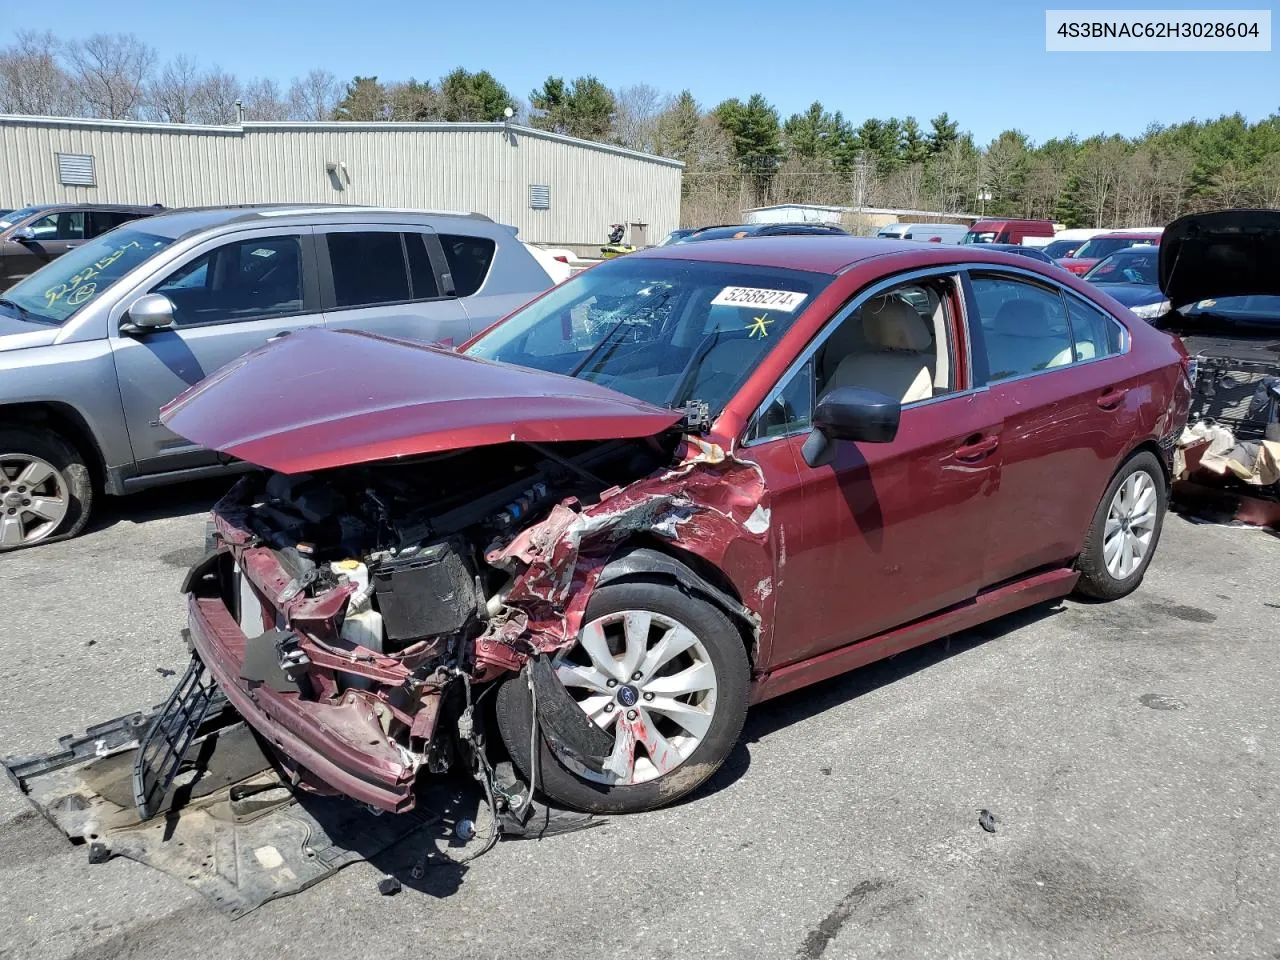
{"x": 488, "y": 168}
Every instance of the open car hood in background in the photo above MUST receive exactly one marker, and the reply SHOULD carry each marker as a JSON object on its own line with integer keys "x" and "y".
{"x": 324, "y": 398}
{"x": 1230, "y": 253}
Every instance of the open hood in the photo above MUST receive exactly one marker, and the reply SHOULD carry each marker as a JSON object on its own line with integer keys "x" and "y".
{"x": 324, "y": 398}
{"x": 1230, "y": 253}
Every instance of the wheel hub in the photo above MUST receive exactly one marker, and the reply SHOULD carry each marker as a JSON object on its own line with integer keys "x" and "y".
{"x": 13, "y": 499}
{"x": 628, "y": 695}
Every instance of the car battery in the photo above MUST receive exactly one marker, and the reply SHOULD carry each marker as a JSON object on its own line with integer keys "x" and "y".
{"x": 424, "y": 592}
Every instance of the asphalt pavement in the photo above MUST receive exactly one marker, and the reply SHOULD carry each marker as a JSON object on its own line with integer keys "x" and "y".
{"x": 1128, "y": 752}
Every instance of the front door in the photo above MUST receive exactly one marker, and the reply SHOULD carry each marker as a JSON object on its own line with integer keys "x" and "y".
{"x": 382, "y": 280}
{"x": 1071, "y": 402}
{"x": 229, "y": 297}
{"x": 55, "y": 234}
{"x": 891, "y": 532}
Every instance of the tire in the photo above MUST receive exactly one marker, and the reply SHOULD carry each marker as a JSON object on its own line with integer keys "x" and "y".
{"x": 718, "y": 644}
{"x": 62, "y": 496}
{"x": 1104, "y": 575}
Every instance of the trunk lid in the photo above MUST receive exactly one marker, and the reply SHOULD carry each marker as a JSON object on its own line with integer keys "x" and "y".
{"x": 325, "y": 398}
{"x": 1230, "y": 253}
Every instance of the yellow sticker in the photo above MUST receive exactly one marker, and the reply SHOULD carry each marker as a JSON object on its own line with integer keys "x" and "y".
{"x": 759, "y": 325}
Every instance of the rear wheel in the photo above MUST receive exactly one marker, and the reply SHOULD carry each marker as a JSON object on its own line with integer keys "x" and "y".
{"x": 666, "y": 675}
{"x": 45, "y": 488}
{"x": 1125, "y": 530}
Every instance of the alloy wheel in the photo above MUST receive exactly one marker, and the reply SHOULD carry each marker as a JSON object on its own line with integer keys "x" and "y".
{"x": 1131, "y": 524}
{"x": 647, "y": 678}
{"x": 33, "y": 499}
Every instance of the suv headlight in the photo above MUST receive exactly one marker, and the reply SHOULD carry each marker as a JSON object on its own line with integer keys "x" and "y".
{"x": 1150, "y": 311}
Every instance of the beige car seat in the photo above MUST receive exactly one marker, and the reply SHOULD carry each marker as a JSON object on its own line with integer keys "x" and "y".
{"x": 900, "y": 356}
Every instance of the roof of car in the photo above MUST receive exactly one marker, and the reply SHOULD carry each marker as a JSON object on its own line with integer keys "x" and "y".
{"x": 819, "y": 254}
{"x": 1128, "y": 234}
{"x": 179, "y": 223}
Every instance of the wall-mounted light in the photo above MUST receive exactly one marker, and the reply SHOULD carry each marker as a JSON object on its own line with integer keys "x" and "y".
{"x": 338, "y": 173}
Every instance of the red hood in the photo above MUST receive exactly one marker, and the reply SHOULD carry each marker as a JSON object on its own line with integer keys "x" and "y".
{"x": 323, "y": 398}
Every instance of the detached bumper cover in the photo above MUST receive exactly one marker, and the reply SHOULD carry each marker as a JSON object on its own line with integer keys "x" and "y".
{"x": 341, "y": 745}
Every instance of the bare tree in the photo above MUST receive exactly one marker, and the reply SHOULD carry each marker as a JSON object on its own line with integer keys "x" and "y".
{"x": 263, "y": 101}
{"x": 32, "y": 81}
{"x": 1231, "y": 185}
{"x": 1266, "y": 182}
{"x": 314, "y": 96}
{"x": 636, "y": 123}
{"x": 214, "y": 100}
{"x": 110, "y": 72}
{"x": 1045, "y": 181}
{"x": 1097, "y": 173}
{"x": 170, "y": 95}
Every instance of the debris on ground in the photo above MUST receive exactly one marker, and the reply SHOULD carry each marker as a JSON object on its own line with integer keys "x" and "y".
{"x": 389, "y": 886}
{"x": 1221, "y": 478}
{"x": 987, "y": 820}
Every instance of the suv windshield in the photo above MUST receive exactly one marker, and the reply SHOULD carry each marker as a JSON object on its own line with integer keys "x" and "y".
{"x": 16, "y": 216}
{"x": 1126, "y": 266}
{"x": 979, "y": 237}
{"x": 665, "y": 331}
{"x": 1100, "y": 247}
{"x": 57, "y": 290}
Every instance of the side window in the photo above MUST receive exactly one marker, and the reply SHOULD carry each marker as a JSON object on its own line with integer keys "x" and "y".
{"x": 1024, "y": 327}
{"x": 103, "y": 220}
{"x": 243, "y": 280}
{"x": 791, "y": 411}
{"x": 897, "y": 343}
{"x": 421, "y": 276}
{"x": 60, "y": 226}
{"x": 1095, "y": 334}
{"x": 368, "y": 268}
{"x": 469, "y": 260}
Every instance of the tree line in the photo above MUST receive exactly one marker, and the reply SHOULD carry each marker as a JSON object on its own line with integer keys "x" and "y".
{"x": 737, "y": 154}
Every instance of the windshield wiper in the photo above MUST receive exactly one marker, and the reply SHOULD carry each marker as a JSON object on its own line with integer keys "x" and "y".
{"x": 23, "y": 312}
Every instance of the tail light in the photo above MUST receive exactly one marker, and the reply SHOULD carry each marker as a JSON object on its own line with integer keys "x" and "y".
{"x": 1191, "y": 370}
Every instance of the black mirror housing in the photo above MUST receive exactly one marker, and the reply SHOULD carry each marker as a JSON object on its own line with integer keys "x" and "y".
{"x": 850, "y": 413}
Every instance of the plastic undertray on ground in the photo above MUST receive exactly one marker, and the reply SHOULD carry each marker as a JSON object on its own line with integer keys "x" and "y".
{"x": 228, "y": 827}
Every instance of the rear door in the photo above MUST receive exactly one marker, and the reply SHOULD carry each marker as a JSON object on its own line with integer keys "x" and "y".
{"x": 1057, "y": 368}
{"x": 230, "y": 296}
{"x": 55, "y": 234}
{"x": 384, "y": 280}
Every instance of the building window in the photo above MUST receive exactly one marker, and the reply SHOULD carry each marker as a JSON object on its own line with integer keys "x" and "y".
{"x": 76, "y": 170}
{"x": 539, "y": 196}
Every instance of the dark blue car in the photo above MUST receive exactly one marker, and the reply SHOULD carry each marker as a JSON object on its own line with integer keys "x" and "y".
{"x": 1132, "y": 276}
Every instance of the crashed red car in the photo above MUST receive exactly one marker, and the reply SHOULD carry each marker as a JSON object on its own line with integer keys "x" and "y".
{"x": 685, "y": 481}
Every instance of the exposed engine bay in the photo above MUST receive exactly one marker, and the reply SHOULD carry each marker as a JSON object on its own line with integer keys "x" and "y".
{"x": 383, "y": 592}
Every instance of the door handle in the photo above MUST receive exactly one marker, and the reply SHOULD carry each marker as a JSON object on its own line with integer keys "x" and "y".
{"x": 977, "y": 448}
{"x": 1111, "y": 398}
{"x": 278, "y": 336}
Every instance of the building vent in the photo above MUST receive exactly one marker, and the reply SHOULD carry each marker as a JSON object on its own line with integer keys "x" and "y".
{"x": 76, "y": 170}
{"x": 539, "y": 197}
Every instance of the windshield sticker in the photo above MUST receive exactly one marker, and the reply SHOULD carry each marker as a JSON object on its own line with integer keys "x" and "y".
{"x": 1206, "y": 304}
{"x": 263, "y": 252}
{"x": 759, "y": 325}
{"x": 73, "y": 290}
{"x": 784, "y": 300}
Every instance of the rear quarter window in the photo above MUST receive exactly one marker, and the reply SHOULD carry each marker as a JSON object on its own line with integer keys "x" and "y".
{"x": 469, "y": 261}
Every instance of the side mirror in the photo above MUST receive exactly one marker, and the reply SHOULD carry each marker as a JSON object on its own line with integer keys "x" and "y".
{"x": 850, "y": 413}
{"x": 24, "y": 235}
{"x": 151, "y": 311}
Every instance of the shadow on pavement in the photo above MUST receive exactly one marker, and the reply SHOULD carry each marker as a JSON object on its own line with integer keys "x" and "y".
{"x": 801, "y": 705}
{"x": 159, "y": 503}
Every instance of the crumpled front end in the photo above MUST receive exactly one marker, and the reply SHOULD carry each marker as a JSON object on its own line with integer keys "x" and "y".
{"x": 352, "y": 615}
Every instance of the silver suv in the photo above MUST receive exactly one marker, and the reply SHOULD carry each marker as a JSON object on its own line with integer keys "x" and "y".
{"x": 94, "y": 343}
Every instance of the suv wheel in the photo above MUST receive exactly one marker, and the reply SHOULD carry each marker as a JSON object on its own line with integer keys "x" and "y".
{"x": 45, "y": 489}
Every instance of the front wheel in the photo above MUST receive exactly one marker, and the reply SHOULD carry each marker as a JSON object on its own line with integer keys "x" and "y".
{"x": 45, "y": 488}
{"x": 1125, "y": 530}
{"x": 666, "y": 674}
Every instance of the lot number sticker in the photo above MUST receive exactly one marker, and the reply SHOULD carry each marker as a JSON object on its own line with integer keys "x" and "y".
{"x": 783, "y": 300}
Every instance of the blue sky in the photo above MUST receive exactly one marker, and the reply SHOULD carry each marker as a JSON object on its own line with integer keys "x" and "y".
{"x": 983, "y": 63}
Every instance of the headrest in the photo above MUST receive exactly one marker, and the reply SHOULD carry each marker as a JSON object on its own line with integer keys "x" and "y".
{"x": 1020, "y": 318}
{"x": 890, "y": 323}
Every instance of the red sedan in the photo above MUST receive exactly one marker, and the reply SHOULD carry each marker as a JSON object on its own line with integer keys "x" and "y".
{"x": 682, "y": 482}
{"x": 1096, "y": 249}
